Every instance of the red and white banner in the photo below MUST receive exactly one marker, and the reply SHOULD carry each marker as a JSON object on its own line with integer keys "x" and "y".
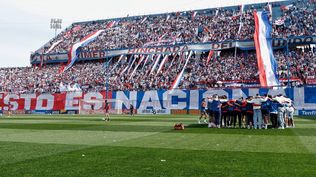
{"x": 45, "y": 101}
{"x": 267, "y": 64}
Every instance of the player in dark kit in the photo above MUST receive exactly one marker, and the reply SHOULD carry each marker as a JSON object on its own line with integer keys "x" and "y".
{"x": 131, "y": 109}
{"x": 265, "y": 112}
{"x": 224, "y": 113}
{"x": 244, "y": 112}
{"x": 237, "y": 112}
{"x": 249, "y": 108}
{"x": 106, "y": 111}
{"x": 231, "y": 107}
{"x": 92, "y": 109}
{"x": 216, "y": 107}
{"x": 9, "y": 109}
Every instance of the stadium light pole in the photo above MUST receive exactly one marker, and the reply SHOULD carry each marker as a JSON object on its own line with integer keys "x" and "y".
{"x": 55, "y": 23}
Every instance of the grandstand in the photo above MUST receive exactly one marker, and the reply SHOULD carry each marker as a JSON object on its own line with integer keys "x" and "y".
{"x": 205, "y": 92}
{"x": 212, "y": 34}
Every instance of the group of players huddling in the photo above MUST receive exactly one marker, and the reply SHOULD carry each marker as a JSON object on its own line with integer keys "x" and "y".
{"x": 254, "y": 112}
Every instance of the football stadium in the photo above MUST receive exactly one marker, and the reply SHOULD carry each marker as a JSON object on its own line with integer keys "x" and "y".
{"x": 215, "y": 91}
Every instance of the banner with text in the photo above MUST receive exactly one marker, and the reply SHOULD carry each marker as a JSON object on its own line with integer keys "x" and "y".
{"x": 243, "y": 45}
{"x": 158, "y": 100}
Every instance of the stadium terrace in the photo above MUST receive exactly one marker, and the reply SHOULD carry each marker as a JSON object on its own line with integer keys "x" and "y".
{"x": 193, "y": 50}
{"x": 214, "y": 92}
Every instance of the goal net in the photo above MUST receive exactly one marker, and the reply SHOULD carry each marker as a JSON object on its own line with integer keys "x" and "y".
{"x": 97, "y": 106}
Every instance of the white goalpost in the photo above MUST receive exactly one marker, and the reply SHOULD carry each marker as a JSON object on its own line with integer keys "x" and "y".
{"x": 97, "y": 106}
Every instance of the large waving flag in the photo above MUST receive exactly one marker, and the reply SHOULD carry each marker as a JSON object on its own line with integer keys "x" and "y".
{"x": 267, "y": 64}
{"x": 176, "y": 82}
{"x": 74, "y": 50}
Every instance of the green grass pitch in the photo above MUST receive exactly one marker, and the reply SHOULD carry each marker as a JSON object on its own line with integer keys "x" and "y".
{"x": 65, "y": 146}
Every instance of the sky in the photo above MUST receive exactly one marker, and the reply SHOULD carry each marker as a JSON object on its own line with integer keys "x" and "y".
{"x": 24, "y": 24}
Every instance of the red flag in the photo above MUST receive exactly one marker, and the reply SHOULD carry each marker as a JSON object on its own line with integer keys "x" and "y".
{"x": 210, "y": 54}
{"x": 61, "y": 69}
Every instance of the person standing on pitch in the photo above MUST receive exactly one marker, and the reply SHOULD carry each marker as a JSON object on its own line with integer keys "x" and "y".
{"x": 265, "y": 111}
{"x": 216, "y": 108}
{"x": 131, "y": 109}
{"x": 1, "y": 112}
{"x": 9, "y": 109}
{"x": 249, "y": 111}
{"x": 243, "y": 111}
{"x": 281, "y": 111}
{"x": 290, "y": 113}
{"x": 203, "y": 111}
{"x": 237, "y": 112}
{"x": 231, "y": 107}
{"x": 209, "y": 109}
{"x": 224, "y": 113}
{"x": 106, "y": 112}
{"x": 273, "y": 110}
{"x": 257, "y": 115}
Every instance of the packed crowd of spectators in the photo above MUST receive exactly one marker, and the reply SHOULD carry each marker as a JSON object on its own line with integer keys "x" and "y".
{"x": 301, "y": 63}
{"x": 212, "y": 25}
{"x": 299, "y": 20}
{"x": 198, "y": 74}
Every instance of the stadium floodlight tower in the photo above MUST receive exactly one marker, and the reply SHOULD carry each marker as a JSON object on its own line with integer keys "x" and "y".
{"x": 55, "y": 23}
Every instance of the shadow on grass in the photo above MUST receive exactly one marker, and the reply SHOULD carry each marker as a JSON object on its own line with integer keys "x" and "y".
{"x": 202, "y": 128}
{"x": 86, "y": 127}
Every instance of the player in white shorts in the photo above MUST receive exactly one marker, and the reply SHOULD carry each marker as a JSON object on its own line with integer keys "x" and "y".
{"x": 289, "y": 114}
